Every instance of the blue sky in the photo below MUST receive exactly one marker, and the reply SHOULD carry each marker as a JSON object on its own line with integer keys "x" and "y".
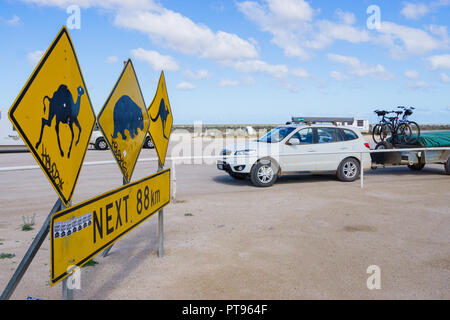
{"x": 255, "y": 61}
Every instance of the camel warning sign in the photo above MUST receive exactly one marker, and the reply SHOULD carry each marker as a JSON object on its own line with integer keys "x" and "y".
{"x": 124, "y": 121}
{"x": 53, "y": 114}
{"x": 80, "y": 232}
{"x": 161, "y": 120}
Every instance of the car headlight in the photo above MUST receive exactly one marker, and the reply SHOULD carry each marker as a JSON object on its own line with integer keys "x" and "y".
{"x": 245, "y": 152}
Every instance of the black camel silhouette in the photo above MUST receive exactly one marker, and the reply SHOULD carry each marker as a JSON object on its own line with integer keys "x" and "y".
{"x": 66, "y": 111}
{"x": 163, "y": 112}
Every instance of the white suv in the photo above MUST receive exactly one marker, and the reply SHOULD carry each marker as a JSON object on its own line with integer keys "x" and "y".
{"x": 298, "y": 148}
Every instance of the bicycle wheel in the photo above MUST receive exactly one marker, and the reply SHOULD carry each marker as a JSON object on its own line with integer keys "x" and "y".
{"x": 403, "y": 133}
{"x": 415, "y": 132}
{"x": 386, "y": 133}
{"x": 376, "y": 133}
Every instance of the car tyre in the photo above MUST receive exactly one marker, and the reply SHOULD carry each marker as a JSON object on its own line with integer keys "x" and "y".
{"x": 149, "y": 143}
{"x": 100, "y": 144}
{"x": 416, "y": 166}
{"x": 264, "y": 173}
{"x": 349, "y": 170}
{"x": 447, "y": 166}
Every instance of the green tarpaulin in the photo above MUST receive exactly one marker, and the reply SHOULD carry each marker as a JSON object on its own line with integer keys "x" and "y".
{"x": 434, "y": 139}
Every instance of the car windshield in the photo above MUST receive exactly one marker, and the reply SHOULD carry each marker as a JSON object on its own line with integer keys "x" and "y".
{"x": 276, "y": 135}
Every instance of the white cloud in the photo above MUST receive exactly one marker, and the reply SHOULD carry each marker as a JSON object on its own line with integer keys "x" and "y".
{"x": 181, "y": 34}
{"x": 14, "y": 21}
{"x": 294, "y": 30}
{"x": 247, "y": 80}
{"x": 360, "y": 69}
{"x": 403, "y": 41}
{"x": 257, "y": 66}
{"x": 112, "y": 59}
{"x": 291, "y": 10}
{"x": 415, "y": 10}
{"x": 301, "y": 73}
{"x": 197, "y": 75}
{"x": 34, "y": 57}
{"x": 185, "y": 86}
{"x": 156, "y": 60}
{"x": 417, "y": 85}
{"x": 104, "y": 4}
{"x": 336, "y": 75}
{"x": 445, "y": 78}
{"x": 228, "y": 83}
{"x": 168, "y": 28}
{"x": 411, "y": 74}
{"x": 439, "y": 62}
{"x": 345, "y": 17}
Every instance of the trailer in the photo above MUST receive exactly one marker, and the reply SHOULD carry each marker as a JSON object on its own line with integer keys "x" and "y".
{"x": 431, "y": 148}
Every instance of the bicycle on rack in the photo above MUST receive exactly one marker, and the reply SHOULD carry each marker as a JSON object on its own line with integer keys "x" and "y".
{"x": 396, "y": 130}
{"x": 413, "y": 126}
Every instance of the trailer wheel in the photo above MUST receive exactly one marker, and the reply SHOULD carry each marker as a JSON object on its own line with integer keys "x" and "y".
{"x": 384, "y": 145}
{"x": 447, "y": 166}
{"x": 416, "y": 166}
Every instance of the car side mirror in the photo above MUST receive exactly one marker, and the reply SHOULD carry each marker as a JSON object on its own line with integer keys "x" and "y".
{"x": 293, "y": 142}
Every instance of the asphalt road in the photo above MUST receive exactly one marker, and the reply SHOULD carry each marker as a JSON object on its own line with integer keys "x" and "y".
{"x": 307, "y": 237}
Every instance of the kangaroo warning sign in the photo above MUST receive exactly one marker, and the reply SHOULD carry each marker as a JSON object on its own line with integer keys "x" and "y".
{"x": 53, "y": 114}
{"x": 124, "y": 120}
{"x": 161, "y": 120}
{"x": 80, "y": 232}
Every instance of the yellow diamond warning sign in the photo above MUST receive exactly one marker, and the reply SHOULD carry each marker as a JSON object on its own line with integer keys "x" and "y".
{"x": 53, "y": 114}
{"x": 80, "y": 232}
{"x": 161, "y": 120}
{"x": 124, "y": 121}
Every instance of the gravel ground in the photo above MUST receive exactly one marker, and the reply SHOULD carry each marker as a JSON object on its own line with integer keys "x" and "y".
{"x": 307, "y": 237}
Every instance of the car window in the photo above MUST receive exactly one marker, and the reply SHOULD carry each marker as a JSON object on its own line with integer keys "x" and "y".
{"x": 326, "y": 135}
{"x": 304, "y": 135}
{"x": 276, "y": 135}
{"x": 349, "y": 134}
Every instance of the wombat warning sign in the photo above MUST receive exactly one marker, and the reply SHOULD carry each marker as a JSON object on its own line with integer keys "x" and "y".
{"x": 124, "y": 120}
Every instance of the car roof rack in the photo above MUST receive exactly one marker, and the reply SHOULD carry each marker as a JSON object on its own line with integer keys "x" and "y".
{"x": 313, "y": 120}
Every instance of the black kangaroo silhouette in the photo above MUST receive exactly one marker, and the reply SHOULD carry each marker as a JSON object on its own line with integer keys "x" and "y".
{"x": 163, "y": 112}
{"x": 66, "y": 111}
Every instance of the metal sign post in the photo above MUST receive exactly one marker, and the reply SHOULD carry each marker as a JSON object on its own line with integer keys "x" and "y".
{"x": 31, "y": 252}
{"x": 160, "y": 225}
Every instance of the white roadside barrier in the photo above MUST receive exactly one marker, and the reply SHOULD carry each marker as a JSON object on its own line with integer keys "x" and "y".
{"x": 174, "y": 160}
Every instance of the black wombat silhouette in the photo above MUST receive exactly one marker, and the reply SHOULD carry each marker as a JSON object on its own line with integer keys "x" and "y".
{"x": 163, "y": 112}
{"x": 127, "y": 116}
{"x": 66, "y": 111}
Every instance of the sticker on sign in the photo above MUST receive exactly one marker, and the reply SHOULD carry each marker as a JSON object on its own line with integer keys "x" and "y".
{"x": 80, "y": 232}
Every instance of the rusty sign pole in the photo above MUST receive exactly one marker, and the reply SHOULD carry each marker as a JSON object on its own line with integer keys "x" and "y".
{"x": 160, "y": 224}
{"x": 31, "y": 252}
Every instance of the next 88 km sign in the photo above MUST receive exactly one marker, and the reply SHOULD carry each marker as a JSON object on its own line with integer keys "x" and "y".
{"x": 80, "y": 232}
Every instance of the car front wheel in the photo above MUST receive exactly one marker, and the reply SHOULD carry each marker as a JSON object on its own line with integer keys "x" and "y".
{"x": 349, "y": 170}
{"x": 149, "y": 143}
{"x": 264, "y": 173}
{"x": 100, "y": 144}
